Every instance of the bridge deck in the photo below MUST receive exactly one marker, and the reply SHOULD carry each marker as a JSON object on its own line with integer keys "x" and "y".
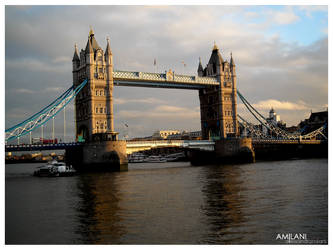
{"x": 133, "y": 145}
{"x": 39, "y": 147}
{"x": 268, "y": 141}
{"x": 162, "y": 80}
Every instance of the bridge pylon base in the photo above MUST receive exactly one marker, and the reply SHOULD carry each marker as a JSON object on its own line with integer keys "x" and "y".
{"x": 227, "y": 151}
{"x": 105, "y": 156}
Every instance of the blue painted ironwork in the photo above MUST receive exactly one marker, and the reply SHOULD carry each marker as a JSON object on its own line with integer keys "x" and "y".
{"x": 43, "y": 116}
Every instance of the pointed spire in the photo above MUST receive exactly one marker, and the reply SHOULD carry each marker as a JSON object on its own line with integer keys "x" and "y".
{"x": 200, "y": 68}
{"x": 76, "y": 54}
{"x": 89, "y": 47}
{"x": 215, "y": 47}
{"x": 108, "y": 47}
{"x": 91, "y": 32}
{"x": 231, "y": 60}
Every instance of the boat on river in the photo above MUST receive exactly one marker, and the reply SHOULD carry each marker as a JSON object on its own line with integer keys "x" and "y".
{"x": 54, "y": 169}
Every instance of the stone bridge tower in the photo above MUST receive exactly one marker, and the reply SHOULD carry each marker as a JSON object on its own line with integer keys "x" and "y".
{"x": 94, "y": 104}
{"x": 218, "y": 104}
{"x": 101, "y": 150}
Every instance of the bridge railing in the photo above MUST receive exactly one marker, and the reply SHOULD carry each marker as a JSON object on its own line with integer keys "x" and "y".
{"x": 163, "y": 77}
{"x": 155, "y": 142}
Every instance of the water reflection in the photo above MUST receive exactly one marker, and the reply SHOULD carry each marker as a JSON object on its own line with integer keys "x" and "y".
{"x": 223, "y": 203}
{"x": 99, "y": 210}
{"x": 169, "y": 203}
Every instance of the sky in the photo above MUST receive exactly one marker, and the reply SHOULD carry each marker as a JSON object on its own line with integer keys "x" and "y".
{"x": 281, "y": 56}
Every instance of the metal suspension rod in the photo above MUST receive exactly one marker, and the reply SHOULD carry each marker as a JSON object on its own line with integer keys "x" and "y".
{"x": 271, "y": 127}
{"x": 53, "y": 129}
{"x": 44, "y": 117}
{"x": 64, "y": 124}
{"x": 242, "y": 97}
{"x": 254, "y": 114}
{"x": 43, "y": 110}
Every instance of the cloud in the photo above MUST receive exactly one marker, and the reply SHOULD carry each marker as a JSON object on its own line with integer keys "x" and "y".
{"x": 33, "y": 64}
{"x": 283, "y": 17}
{"x": 280, "y": 105}
{"x": 149, "y": 100}
{"x": 53, "y": 89}
{"x": 309, "y": 9}
{"x": 25, "y": 91}
{"x": 62, "y": 59}
{"x": 162, "y": 111}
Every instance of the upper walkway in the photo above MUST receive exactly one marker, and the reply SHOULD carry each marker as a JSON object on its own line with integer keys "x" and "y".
{"x": 162, "y": 80}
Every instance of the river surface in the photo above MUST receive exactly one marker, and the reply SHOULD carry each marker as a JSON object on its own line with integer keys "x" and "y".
{"x": 170, "y": 203}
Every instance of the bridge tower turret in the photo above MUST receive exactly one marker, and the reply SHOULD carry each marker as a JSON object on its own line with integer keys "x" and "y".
{"x": 218, "y": 105}
{"x": 200, "y": 68}
{"x": 109, "y": 85}
{"x": 234, "y": 94}
{"x": 94, "y": 105}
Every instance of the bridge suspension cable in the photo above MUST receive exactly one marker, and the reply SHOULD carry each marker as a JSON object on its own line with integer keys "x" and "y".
{"x": 280, "y": 133}
{"x": 255, "y": 132}
{"x": 44, "y": 115}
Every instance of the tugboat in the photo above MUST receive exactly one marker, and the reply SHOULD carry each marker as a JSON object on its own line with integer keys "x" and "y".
{"x": 54, "y": 169}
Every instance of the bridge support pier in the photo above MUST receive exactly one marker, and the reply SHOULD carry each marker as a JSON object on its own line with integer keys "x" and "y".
{"x": 293, "y": 149}
{"x": 228, "y": 150}
{"x": 234, "y": 150}
{"x": 98, "y": 156}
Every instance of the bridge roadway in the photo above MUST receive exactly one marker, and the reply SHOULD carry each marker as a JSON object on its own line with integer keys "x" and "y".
{"x": 162, "y": 80}
{"x": 136, "y": 146}
{"x": 40, "y": 147}
{"x": 132, "y": 146}
{"x": 282, "y": 141}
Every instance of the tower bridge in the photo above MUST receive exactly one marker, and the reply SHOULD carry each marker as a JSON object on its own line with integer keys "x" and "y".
{"x": 94, "y": 79}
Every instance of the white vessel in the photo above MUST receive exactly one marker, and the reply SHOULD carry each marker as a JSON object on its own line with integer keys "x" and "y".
{"x": 156, "y": 158}
{"x": 54, "y": 169}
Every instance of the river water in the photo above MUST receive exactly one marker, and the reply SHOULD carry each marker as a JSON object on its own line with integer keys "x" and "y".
{"x": 170, "y": 203}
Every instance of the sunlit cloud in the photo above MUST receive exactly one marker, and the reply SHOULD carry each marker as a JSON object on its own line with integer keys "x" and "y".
{"x": 284, "y": 17}
{"x": 163, "y": 111}
{"x": 149, "y": 100}
{"x": 25, "y": 91}
{"x": 280, "y": 105}
{"x": 33, "y": 65}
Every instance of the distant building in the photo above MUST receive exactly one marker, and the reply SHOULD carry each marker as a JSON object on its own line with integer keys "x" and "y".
{"x": 272, "y": 119}
{"x": 185, "y": 135}
{"x": 275, "y": 119}
{"x": 163, "y": 134}
{"x": 292, "y": 129}
{"x": 315, "y": 121}
{"x": 171, "y": 135}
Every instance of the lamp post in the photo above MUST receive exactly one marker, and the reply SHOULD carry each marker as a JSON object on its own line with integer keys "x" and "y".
{"x": 42, "y": 133}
